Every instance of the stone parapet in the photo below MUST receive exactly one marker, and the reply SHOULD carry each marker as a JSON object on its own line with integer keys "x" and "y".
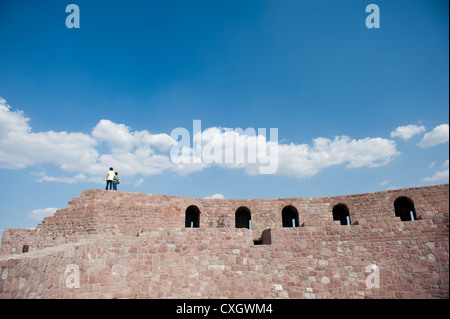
{"x": 130, "y": 245}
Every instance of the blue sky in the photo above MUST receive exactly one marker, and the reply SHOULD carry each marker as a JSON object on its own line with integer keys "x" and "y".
{"x": 357, "y": 109}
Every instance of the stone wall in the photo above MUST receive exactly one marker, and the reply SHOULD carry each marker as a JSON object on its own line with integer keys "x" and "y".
{"x": 129, "y": 245}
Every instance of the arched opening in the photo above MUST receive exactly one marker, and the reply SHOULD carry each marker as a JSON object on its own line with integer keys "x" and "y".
{"x": 192, "y": 217}
{"x": 404, "y": 208}
{"x": 341, "y": 213}
{"x": 243, "y": 218}
{"x": 289, "y": 216}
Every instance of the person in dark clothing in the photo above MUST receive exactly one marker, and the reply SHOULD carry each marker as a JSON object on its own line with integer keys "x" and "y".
{"x": 116, "y": 181}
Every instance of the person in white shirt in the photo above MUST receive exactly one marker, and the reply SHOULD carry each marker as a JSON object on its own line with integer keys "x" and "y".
{"x": 110, "y": 178}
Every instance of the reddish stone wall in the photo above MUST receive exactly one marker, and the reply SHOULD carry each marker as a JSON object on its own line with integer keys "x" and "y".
{"x": 135, "y": 245}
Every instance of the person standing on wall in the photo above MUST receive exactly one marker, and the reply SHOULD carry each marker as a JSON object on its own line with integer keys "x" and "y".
{"x": 116, "y": 181}
{"x": 110, "y": 178}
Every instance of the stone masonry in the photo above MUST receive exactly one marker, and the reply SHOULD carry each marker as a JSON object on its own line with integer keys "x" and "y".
{"x": 108, "y": 244}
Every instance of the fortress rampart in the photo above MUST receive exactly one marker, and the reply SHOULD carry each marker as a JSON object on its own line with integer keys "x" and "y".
{"x": 130, "y": 245}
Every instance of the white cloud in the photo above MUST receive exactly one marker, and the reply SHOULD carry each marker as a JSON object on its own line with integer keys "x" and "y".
{"x": 39, "y": 214}
{"x": 139, "y": 182}
{"x": 406, "y": 132}
{"x": 440, "y": 176}
{"x": 215, "y": 196}
{"x": 440, "y": 134}
{"x": 120, "y": 139}
{"x": 132, "y": 153}
{"x": 141, "y": 154}
{"x": 117, "y": 136}
{"x": 302, "y": 160}
{"x": 19, "y": 147}
{"x": 297, "y": 160}
{"x": 76, "y": 152}
{"x": 142, "y": 162}
{"x": 64, "y": 179}
{"x": 11, "y": 121}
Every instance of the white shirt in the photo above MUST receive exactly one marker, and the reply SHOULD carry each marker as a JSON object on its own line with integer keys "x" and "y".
{"x": 110, "y": 176}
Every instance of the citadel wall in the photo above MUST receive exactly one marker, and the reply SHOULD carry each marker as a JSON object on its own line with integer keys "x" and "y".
{"x": 130, "y": 245}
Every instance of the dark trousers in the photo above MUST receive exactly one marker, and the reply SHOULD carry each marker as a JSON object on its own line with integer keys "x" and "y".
{"x": 109, "y": 184}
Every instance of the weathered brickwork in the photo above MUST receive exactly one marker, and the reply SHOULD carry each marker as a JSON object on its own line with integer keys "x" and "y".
{"x": 130, "y": 245}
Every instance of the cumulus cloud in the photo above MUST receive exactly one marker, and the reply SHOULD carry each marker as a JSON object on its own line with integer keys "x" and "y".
{"x": 406, "y": 132}
{"x": 296, "y": 160}
{"x": 439, "y": 176}
{"x": 440, "y": 134}
{"x": 139, "y": 182}
{"x": 77, "y": 153}
{"x": 445, "y": 164}
{"x": 302, "y": 160}
{"x": 41, "y": 213}
{"x": 11, "y": 121}
{"x": 141, "y": 153}
{"x": 121, "y": 140}
{"x": 215, "y": 196}
{"x": 20, "y": 147}
{"x": 70, "y": 151}
{"x": 63, "y": 179}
